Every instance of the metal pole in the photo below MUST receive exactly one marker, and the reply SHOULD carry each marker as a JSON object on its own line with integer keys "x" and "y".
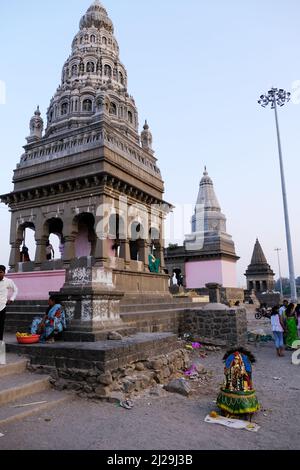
{"x": 286, "y": 214}
{"x": 280, "y": 277}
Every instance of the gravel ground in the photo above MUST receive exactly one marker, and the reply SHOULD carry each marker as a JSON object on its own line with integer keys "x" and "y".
{"x": 170, "y": 422}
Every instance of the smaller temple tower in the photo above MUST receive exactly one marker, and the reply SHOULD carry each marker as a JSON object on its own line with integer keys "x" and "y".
{"x": 260, "y": 276}
{"x": 208, "y": 254}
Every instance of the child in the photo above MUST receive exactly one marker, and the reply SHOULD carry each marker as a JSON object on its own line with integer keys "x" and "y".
{"x": 278, "y": 330}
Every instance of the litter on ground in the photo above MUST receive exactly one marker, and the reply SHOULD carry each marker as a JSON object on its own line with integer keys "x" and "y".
{"x": 127, "y": 404}
{"x": 29, "y": 404}
{"x": 232, "y": 423}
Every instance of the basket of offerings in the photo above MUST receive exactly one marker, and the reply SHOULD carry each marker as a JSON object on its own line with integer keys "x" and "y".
{"x": 26, "y": 338}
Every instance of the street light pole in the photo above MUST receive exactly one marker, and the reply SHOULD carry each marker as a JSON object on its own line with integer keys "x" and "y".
{"x": 280, "y": 277}
{"x": 276, "y": 98}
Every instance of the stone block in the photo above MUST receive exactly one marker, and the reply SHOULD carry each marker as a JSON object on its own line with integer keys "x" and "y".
{"x": 102, "y": 391}
{"x": 180, "y": 386}
{"x": 114, "y": 336}
{"x": 105, "y": 379}
{"x": 128, "y": 386}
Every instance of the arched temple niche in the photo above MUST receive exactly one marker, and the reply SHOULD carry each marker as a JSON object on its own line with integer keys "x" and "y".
{"x": 116, "y": 235}
{"x": 26, "y": 242}
{"x": 154, "y": 240}
{"x": 136, "y": 241}
{"x": 54, "y": 230}
{"x": 86, "y": 239}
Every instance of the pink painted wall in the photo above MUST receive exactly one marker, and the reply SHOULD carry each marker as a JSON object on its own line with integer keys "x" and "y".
{"x": 82, "y": 244}
{"x": 229, "y": 274}
{"x": 37, "y": 285}
{"x": 199, "y": 273}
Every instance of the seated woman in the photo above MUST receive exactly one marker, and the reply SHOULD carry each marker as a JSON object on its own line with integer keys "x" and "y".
{"x": 237, "y": 395}
{"x": 52, "y": 324}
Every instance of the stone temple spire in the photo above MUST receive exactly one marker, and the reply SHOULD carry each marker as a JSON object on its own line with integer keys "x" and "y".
{"x": 207, "y": 196}
{"x": 146, "y": 137}
{"x": 208, "y": 216}
{"x": 208, "y": 222}
{"x": 94, "y": 81}
{"x": 259, "y": 274}
{"x": 36, "y": 126}
{"x": 258, "y": 256}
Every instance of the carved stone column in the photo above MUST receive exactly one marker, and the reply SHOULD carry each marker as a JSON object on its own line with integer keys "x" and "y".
{"x": 125, "y": 251}
{"x": 161, "y": 245}
{"x": 102, "y": 249}
{"x": 69, "y": 248}
{"x": 40, "y": 251}
{"x": 144, "y": 252}
{"x": 91, "y": 301}
{"x": 14, "y": 258}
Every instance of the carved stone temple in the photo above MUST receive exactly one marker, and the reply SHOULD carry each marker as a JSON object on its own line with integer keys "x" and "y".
{"x": 208, "y": 254}
{"x": 260, "y": 276}
{"x": 92, "y": 179}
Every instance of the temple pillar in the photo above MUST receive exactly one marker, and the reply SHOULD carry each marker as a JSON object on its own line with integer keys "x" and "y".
{"x": 69, "y": 248}
{"x": 125, "y": 251}
{"x": 40, "y": 250}
{"x": 102, "y": 248}
{"x": 161, "y": 245}
{"x": 14, "y": 258}
{"x": 144, "y": 253}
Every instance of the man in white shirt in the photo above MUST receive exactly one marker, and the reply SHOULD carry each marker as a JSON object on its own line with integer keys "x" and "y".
{"x": 6, "y": 285}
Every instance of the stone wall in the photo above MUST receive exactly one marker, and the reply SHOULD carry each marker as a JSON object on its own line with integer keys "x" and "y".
{"x": 270, "y": 299}
{"x": 228, "y": 294}
{"x": 226, "y": 327}
{"x": 119, "y": 382}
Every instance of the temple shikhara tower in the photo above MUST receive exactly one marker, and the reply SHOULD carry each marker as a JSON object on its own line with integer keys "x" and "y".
{"x": 208, "y": 254}
{"x": 260, "y": 276}
{"x": 90, "y": 178}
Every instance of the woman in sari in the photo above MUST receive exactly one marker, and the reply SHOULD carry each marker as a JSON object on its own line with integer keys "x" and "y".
{"x": 52, "y": 324}
{"x": 237, "y": 395}
{"x": 291, "y": 322}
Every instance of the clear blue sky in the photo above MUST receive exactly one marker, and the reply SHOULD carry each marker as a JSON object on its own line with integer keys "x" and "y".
{"x": 195, "y": 69}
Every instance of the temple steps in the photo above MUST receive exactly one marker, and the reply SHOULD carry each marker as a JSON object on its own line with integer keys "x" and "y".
{"x": 23, "y": 393}
{"x": 145, "y": 316}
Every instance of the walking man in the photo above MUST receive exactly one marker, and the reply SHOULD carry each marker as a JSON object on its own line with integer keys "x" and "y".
{"x": 5, "y": 286}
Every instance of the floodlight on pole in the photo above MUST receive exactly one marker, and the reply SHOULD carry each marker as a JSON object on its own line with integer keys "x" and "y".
{"x": 276, "y": 98}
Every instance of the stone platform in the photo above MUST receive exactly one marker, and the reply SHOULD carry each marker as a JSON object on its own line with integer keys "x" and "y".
{"x": 103, "y": 355}
{"x": 107, "y": 369}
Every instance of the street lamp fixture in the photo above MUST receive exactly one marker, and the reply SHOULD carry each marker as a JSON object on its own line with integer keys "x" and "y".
{"x": 278, "y": 97}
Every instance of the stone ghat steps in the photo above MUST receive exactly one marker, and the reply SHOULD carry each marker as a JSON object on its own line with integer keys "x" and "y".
{"x": 20, "y": 322}
{"x": 104, "y": 355}
{"x": 144, "y": 317}
{"x": 35, "y": 403}
{"x": 20, "y": 314}
{"x": 153, "y": 321}
{"x": 20, "y": 387}
{"x": 155, "y": 306}
{"x": 101, "y": 335}
{"x": 19, "y": 307}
